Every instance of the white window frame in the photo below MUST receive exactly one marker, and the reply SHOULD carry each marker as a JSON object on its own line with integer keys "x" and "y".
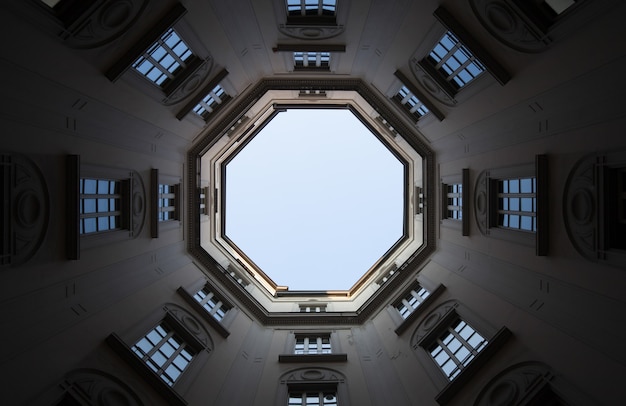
{"x": 210, "y": 102}
{"x": 298, "y": 8}
{"x": 458, "y": 336}
{"x": 310, "y": 60}
{"x": 411, "y": 301}
{"x": 180, "y": 60}
{"x": 505, "y": 209}
{"x": 308, "y": 344}
{"x": 116, "y": 195}
{"x": 454, "y": 201}
{"x": 313, "y": 398}
{"x": 151, "y": 350}
{"x": 441, "y": 63}
{"x": 410, "y": 103}
{"x": 434, "y": 331}
{"x": 212, "y": 302}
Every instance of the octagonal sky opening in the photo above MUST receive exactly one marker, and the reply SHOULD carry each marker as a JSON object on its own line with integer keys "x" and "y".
{"x": 315, "y": 199}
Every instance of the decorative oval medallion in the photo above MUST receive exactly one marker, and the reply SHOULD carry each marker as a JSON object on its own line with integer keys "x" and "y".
{"x": 312, "y": 374}
{"x": 581, "y": 206}
{"x": 503, "y": 394}
{"x": 116, "y": 13}
{"x": 191, "y": 324}
{"x": 500, "y": 18}
{"x": 113, "y": 397}
{"x": 28, "y": 208}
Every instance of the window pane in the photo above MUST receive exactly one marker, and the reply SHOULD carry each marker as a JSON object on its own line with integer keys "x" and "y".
{"x": 526, "y": 185}
{"x": 90, "y": 186}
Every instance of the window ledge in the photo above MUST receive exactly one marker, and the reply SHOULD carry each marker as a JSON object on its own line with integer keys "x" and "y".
{"x": 406, "y": 323}
{"x": 453, "y": 387}
{"x": 124, "y": 351}
{"x": 203, "y": 313}
{"x": 295, "y": 358}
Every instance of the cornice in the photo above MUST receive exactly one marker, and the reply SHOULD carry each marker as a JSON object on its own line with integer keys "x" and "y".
{"x": 217, "y": 273}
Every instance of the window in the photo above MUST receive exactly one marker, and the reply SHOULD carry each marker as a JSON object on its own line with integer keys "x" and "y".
{"x": 312, "y": 344}
{"x": 164, "y": 59}
{"x": 456, "y": 348}
{"x": 517, "y": 203}
{"x": 311, "y": 60}
{"x": 454, "y": 61}
{"x": 327, "y": 388}
{"x": 308, "y": 347}
{"x": 312, "y": 308}
{"x": 409, "y": 302}
{"x": 210, "y": 102}
{"x": 455, "y": 192}
{"x": 204, "y": 207}
{"x": 454, "y": 200}
{"x": 449, "y": 59}
{"x": 100, "y": 205}
{"x": 453, "y": 343}
{"x": 326, "y": 398}
{"x": 168, "y": 209}
{"x": 410, "y": 103}
{"x": 511, "y": 203}
{"x": 596, "y": 206}
{"x": 164, "y": 352}
{"x": 311, "y": 7}
{"x": 212, "y": 303}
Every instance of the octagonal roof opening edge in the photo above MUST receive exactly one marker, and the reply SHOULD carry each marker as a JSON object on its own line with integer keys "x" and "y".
{"x": 316, "y": 198}
{"x": 254, "y": 110}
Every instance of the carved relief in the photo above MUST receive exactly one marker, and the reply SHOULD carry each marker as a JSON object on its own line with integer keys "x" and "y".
{"x": 431, "y": 322}
{"x": 310, "y": 31}
{"x": 481, "y": 201}
{"x": 96, "y": 387}
{"x": 429, "y": 84}
{"x": 138, "y": 204}
{"x": 25, "y": 208}
{"x": 191, "y": 323}
{"x": 515, "y": 385}
{"x": 580, "y": 208}
{"x": 191, "y": 84}
{"x": 312, "y": 374}
{"x": 509, "y": 26}
{"x": 104, "y": 23}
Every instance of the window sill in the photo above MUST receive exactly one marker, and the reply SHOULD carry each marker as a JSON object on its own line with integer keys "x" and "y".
{"x": 453, "y": 387}
{"x": 124, "y": 351}
{"x": 298, "y": 358}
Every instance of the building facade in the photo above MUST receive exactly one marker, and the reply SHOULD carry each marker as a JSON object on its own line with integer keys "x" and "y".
{"x": 512, "y": 297}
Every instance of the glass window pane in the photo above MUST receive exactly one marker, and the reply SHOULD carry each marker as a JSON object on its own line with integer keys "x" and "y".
{"x": 526, "y": 185}
{"x": 89, "y": 205}
{"x": 527, "y": 223}
{"x": 90, "y": 186}
{"x": 103, "y": 205}
{"x": 103, "y": 223}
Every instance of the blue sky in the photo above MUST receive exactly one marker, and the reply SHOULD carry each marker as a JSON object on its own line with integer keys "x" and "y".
{"x": 314, "y": 199}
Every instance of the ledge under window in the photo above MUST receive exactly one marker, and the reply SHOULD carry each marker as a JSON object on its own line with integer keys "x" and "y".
{"x": 495, "y": 343}
{"x": 126, "y": 353}
{"x": 296, "y": 358}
